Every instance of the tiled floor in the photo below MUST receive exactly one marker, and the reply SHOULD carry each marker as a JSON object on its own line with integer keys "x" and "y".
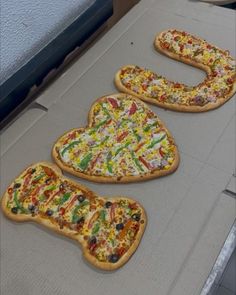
{"x": 227, "y": 284}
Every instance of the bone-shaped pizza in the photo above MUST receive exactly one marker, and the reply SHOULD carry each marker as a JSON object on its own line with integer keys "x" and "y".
{"x": 215, "y": 90}
{"x": 125, "y": 141}
{"x": 108, "y": 229}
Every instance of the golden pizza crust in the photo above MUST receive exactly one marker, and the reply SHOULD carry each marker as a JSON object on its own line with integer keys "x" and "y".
{"x": 172, "y": 106}
{"x": 66, "y": 232}
{"x": 114, "y": 179}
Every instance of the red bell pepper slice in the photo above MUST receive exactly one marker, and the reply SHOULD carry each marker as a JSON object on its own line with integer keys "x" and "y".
{"x": 122, "y": 136}
{"x": 145, "y": 163}
{"x": 113, "y": 102}
{"x": 112, "y": 212}
{"x": 161, "y": 152}
{"x": 69, "y": 137}
{"x": 133, "y": 109}
{"x": 139, "y": 146}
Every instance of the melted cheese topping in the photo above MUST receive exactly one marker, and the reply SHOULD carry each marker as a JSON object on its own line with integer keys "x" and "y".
{"x": 218, "y": 84}
{"x": 126, "y": 139}
{"x": 107, "y": 226}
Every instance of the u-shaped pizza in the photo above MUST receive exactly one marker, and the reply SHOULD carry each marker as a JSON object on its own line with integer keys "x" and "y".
{"x": 108, "y": 229}
{"x": 215, "y": 90}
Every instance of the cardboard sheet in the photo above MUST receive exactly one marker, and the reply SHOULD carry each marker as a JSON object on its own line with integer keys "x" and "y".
{"x": 188, "y": 217}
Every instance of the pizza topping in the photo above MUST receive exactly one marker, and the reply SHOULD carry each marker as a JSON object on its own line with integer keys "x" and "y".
{"x": 49, "y": 212}
{"x": 220, "y": 78}
{"x": 113, "y": 102}
{"x": 119, "y": 226}
{"x": 114, "y": 258}
{"x": 108, "y": 204}
{"x": 109, "y": 227}
{"x": 14, "y": 210}
{"x": 115, "y": 145}
{"x": 81, "y": 198}
{"x": 16, "y": 185}
{"x": 136, "y": 217}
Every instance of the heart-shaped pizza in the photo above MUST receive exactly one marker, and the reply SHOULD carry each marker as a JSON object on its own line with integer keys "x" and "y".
{"x": 108, "y": 229}
{"x": 124, "y": 142}
{"x": 216, "y": 89}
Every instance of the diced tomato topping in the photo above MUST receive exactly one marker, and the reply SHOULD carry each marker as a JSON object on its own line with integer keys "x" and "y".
{"x": 121, "y": 251}
{"x": 10, "y": 190}
{"x": 181, "y": 47}
{"x": 190, "y": 41}
{"x": 230, "y": 81}
{"x": 133, "y": 108}
{"x": 214, "y": 74}
{"x": 48, "y": 171}
{"x": 133, "y": 206}
{"x": 144, "y": 86}
{"x": 62, "y": 211}
{"x": 92, "y": 247}
{"x": 166, "y": 45}
{"x": 34, "y": 200}
{"x": 113, "y": 102}
{"x": 162, "y": 97}
{"x": 177, "y": 85}
{"x": 209, "y": 46}
{"x": 122, "y": 136}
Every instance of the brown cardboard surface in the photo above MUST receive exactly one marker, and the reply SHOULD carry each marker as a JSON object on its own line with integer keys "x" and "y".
{"x": 188, "y": 217}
